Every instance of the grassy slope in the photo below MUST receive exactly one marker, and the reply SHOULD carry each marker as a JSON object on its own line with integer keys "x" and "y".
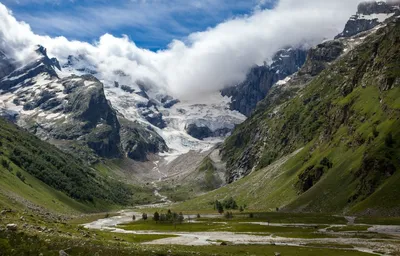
{"x": 338, "y": 118}
{"x": 53, "y": 180}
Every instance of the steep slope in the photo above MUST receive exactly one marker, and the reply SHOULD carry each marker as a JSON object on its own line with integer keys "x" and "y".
{"x": 69, "y": 111}
{"x": 40, "y": 176}
{"x": 260, "y": 79}
{"x": 346, "y": 119}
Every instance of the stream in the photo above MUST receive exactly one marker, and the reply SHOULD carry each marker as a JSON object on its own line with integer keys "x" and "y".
{"x": 213, "y": 238}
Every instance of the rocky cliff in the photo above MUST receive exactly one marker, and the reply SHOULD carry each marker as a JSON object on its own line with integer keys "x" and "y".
{"x": 71, "y": 112}
{"x": 260, "y": 79}
{"x": 369, "y": 15}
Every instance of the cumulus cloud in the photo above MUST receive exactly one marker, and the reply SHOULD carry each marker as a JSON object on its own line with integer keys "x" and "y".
{"x": 203, "y": 62}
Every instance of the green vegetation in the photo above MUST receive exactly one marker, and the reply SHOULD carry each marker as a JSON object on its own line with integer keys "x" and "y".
{"x": 38, "y": 172}
{"x": 349, "y": 228}
{"x": 344, "y": 126}
{"x": 25, "y": 244}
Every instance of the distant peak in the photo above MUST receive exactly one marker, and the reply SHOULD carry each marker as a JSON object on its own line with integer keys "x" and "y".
{"x": 41, "y": 50}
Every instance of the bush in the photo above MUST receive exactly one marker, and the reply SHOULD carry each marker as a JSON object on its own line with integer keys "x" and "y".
{"x": 20, "y": 176}
{"x": 144, "y": 216}
{"x": 5, "y": 163}
{"x": 156, "y": 216}
{"x": 230, "y": 203}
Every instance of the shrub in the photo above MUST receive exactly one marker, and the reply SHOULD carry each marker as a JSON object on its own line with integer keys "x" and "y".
{"x": 156, "y": 217}
{"x": 20, "y": 176}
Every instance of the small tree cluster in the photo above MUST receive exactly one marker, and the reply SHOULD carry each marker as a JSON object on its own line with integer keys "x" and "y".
{"x": 144, "y": 216}
{"x": 230, "y": 203}
{"x": 227, "y": 204}
{"x": 171, "y": 217}
{"x": 219, "y": 207}
{"x": 6, "y": 164}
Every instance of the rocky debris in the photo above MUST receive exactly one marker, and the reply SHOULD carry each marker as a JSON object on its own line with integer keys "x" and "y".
{"x": 260, "y": 79}
{"x": 12, "y": 227}
{"x": 62, "y": 253}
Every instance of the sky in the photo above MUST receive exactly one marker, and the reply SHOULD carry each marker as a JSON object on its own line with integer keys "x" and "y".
{"x": 187, "y": 48}
{"x": 152, "y": 24}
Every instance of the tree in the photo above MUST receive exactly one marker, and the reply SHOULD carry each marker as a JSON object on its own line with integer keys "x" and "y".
{"x": 198, "y": 216}
{"x": 241, "y": 209}
{"x": 219, "y": 207}
{"x": 251, "y": 215}
{"x": 144, "y": 216}
{"x": 230, "y": 203}
{"x": 20, "y": 176}
{"x": 156, "y": 217}
{"x": 133, "y": 217}
{"x": 181, "y": 218}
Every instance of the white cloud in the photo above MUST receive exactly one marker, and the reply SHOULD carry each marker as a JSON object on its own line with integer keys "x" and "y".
{"x": 205, "y": 61}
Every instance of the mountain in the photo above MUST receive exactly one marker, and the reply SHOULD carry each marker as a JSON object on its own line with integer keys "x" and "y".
{"x": 339, "y": 115}
{"x": 369, "y": 15}
{"x": 259, "y": 80}
{"x": 42, "y": 178}
{"x": 70, "y": 111}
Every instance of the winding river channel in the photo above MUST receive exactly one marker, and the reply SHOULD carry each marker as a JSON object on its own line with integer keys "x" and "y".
{"x": 213, "y": 238}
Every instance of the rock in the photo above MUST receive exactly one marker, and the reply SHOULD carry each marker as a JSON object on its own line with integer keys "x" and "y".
{"x": 12, "y": 227}
{"x": 362, "y": 21}
{"x": 277, "y": 254}
{"x": 260, "y": 79}
{"x": 62, "y": 253}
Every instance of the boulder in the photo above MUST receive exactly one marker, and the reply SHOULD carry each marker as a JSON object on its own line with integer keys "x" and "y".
{"x": 12, "y": 227}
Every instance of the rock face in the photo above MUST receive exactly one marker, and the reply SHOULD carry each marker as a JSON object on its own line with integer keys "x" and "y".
{"x": 260, "y": 79}
{"x": 71, "y": 112}
{"x": 6, "y": 65}
{"x": 137, "y": 142}
{"x": 202, "y": 132}
{"x": 369, "y": 15}
{"x": 319, "y": 56}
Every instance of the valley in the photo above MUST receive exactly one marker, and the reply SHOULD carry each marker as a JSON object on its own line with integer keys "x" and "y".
{"x": 295, "y": 151}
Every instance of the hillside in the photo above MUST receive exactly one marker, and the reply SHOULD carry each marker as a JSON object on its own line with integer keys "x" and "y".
{"x": 343, "y": 127}
{"x": 37, "y": 175}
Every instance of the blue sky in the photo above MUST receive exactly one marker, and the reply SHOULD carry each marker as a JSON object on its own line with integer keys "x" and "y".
{"x": 151, "y": 24}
